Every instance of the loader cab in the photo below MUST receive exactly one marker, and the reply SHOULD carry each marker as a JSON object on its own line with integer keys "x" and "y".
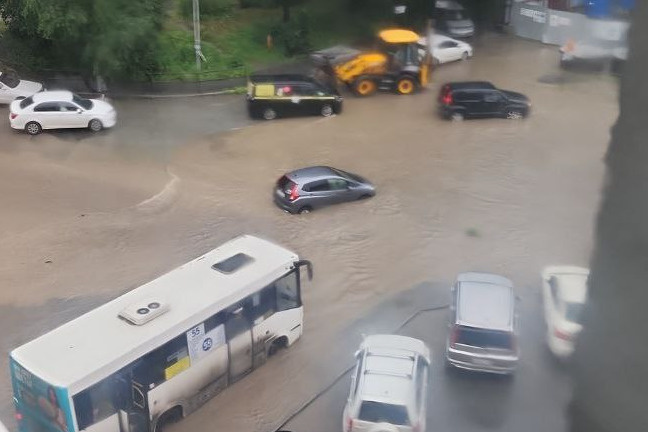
{"x": 401, "y": 48}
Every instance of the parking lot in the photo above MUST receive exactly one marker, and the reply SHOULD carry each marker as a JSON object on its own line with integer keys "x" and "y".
{"x": 86, "y": 218}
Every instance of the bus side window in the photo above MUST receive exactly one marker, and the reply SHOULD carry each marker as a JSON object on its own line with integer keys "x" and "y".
{"x": 262, "y": 304}
{"x": 287, "y": 292}
{"x": 154, "y": 365}
{"x": 94, "y": 404}
{"x": 214, "y": 321}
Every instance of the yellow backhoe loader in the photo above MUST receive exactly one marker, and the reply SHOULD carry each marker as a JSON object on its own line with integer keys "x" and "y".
{"x": 396, "y": 65}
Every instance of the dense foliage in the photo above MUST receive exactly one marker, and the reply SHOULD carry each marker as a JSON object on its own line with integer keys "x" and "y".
{"x": 108, "y": 37}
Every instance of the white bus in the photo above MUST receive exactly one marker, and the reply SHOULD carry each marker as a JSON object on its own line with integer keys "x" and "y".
{"x": 158, "y": 352}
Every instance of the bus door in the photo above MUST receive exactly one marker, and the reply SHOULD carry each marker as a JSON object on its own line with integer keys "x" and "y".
{"x": 239, "y": 342}
{"x": 133, "y": 407}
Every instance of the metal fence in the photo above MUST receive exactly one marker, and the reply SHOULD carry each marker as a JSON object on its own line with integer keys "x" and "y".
{"x": 538, "y": 22}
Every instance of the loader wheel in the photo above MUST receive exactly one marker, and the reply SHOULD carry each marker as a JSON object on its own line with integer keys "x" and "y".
{"x": 364, "y": 87}
{"x": 405, "y": 86}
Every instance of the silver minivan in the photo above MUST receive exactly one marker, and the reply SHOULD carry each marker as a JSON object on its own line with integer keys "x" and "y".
{"x": 483, "y": 324}
{"x": 388, "y": 386}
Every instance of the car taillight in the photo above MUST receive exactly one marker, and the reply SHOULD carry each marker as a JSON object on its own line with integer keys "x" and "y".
{"x": 562, "y": 335}
{"x": 447, "y": 99}
{"x": 349, "y": 424}
{"x": 18, "y": 416}
{"x": 416, "y": 427}
{"x": 454, "y": 335}
{"x": 294, "y": 193}
{"x": 13, "y": 116}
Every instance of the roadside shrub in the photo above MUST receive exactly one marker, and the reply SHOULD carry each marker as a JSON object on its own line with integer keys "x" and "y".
{"x": 258, "y": 4}
{"x": 293, "y": 36}
{"x": 208, "y": 8}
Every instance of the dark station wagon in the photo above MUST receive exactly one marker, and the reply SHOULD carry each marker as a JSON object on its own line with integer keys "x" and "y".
{"x": 481, "y": 99}
{"x": 272, "y": 96}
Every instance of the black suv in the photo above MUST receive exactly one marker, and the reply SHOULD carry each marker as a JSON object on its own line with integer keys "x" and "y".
{"x": 479, "y": 99}
{"x": 271, "y": 96}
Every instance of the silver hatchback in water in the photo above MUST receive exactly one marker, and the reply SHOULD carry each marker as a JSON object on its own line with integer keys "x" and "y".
{"x": 306, "y": 189}
{"x": 483, "y": 324}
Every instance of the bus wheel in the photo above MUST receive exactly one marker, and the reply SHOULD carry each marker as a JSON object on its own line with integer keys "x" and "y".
{"x": 278, "y": 344}
{"x": 171, "y": 416}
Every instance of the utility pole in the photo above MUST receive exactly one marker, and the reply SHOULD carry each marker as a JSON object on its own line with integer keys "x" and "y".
{"x": 196, "y": 28}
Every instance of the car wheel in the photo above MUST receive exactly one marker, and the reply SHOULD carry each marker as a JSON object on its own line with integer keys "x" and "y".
{"x": 405, "y": 86}
{"x": 457, "y": 116}
{"x": 464, "y": 56}
{"x": 33, "y": 128}
{"x": 514, "y": 115}
{"x": 95, "y": 125}
{"x": 269, "y": 114}
{"x": 364, "y": 197}
{"x": 327, "y": 110}
{"x": 304, "y": 210}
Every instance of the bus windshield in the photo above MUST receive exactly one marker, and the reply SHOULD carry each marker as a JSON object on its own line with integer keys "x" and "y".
{"x": 44, "y": 408}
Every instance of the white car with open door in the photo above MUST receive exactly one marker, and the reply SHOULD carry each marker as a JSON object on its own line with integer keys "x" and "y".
{"x": 445, "y": 49}
{"x": 12, "y": 87}
{"x": 60, "y": 110}
{"x": 564, "y": 293}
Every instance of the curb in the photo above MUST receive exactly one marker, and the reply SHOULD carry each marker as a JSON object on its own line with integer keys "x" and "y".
{"x": 172, "y": 96}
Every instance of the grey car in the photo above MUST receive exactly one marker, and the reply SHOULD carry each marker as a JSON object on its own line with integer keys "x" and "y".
{"x": 304, "y": 190}
{"x": 483, "y": 324}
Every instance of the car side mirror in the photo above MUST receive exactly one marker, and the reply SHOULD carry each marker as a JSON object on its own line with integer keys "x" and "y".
{"x": 79, "y": 111}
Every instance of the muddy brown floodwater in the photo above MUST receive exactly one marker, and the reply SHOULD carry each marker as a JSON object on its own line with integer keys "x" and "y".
{"x": 496, "y": 195}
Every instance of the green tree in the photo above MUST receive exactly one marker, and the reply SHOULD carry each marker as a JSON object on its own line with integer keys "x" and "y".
{"x": 110, "y": 37}
{"x": 286, "y": 5}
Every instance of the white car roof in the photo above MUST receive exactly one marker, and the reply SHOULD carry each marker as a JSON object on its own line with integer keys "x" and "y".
{"x": 572, "y": 282}
{"x": 389, "y": 368}
{"x": 438, "y": 38}
{"x": 56, "y": 95}
{"x": 395, "y": 343}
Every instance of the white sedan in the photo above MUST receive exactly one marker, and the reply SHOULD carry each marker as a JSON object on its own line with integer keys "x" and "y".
{"x": 12, "y": 87}
{"x": 445, "y": 49}
{"x": 60, "y": 110}
{"x": 564, "y": 292}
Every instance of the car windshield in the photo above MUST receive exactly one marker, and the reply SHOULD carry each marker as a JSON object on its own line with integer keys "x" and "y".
{"x": 378, "y": 412}
{"x": 573, "y": 312}
{"x": 484, "y": 338}
{"x": 26, "y": 102}
{"x": 83, "y": 103}
{"x": 348, "y": 175}
{"x": 454, "y": 15}
{"x": 9, "y": 79}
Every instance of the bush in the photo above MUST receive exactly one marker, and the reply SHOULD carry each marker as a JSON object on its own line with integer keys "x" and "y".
{"x": 208, "y": 8}
{"x": 294, "y": 35}
{"x": 258, "y": 4}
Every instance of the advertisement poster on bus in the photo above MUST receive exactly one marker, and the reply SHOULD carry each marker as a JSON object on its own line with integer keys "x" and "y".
{"x": 202, "y": 343}
{"x": 43, "y": 407}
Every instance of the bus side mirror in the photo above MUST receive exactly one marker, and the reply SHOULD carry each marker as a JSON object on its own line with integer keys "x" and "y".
{"x": 309, "y": 267}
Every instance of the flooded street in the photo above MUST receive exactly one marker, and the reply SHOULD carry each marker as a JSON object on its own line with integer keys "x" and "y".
{"x": 83, "y": 221}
